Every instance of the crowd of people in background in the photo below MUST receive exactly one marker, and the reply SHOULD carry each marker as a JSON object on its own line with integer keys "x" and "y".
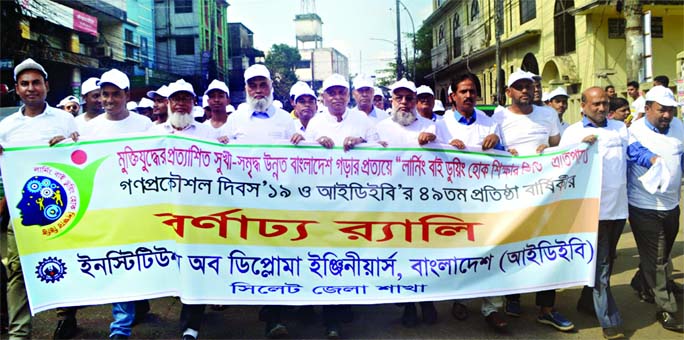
{"x": 633, "y": 140}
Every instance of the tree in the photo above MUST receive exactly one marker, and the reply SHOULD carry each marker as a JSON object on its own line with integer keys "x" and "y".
{"x": 423, "y": 60}
{"x": 282, "y": 61}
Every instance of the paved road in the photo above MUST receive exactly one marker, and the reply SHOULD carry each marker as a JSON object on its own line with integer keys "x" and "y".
{"x": 382, "y": 321}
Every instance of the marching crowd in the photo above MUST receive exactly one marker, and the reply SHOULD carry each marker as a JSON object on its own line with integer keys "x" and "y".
{"x": 640, "y": 146}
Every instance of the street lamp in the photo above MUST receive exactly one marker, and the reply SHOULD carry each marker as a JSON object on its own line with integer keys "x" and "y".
{"x": 414, "y": 36}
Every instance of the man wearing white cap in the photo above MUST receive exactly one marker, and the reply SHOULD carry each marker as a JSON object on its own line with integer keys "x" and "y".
{"x": 653, "y": 189}
{"x": 528, "y": 129}
{"x": 338, "y": 125}
{"x": 305, "y": 106}
{"x": 70, "y": 104}
{"x": 405, "y": 126}
{"x": 92, "y": 105}
{"x": 426, "y": 103}
{"x": 38, "y": 123}
{"x": 378, "y": 99}
{"x": 558, "y": 100}
{"x": 363, "y": 94}
{"x": 146, "y": 108}
{"x": 161, "y": 102}
{"x": 259, "y": 120}
{"x": 218, "y": 98}
{"x": 180, "y": 111}
{"x": 439, "y": 108}
{"x": 611, "y": 138}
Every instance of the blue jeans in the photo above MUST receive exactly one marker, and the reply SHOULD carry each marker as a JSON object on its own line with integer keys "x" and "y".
{"x": 124, "y": 314}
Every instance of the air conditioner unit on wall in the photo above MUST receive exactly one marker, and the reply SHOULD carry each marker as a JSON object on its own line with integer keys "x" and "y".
{"x": 103, "y": 52}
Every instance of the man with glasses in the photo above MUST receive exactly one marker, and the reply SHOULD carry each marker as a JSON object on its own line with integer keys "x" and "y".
{"x": 407, "y": 127}
{"x": 364, "y": 94}
{"x": 426, "y": 103}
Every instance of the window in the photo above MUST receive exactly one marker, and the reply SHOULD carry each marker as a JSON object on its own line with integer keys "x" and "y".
{"x": 128, "y": 35}
{"x": 474, "y": 10}
{"x": 130, "y": 52}
{"x": 182, "y": 6}
{"x": 616, "y": 28}
{"x": 185, "y": 46}
{"x": 440, "y": 35}
{"x": 656, "y": 27}
{"x": 456, "y": 26}
{"x": 528, "y": 10}
{"x": 564, "y": 27}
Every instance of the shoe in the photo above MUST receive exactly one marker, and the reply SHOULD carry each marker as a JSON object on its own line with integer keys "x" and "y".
{"x": 429, "y": 312}
{"x": 188, "y": 337}
{"x": 669, "y": 322}
{"x": 586, "y": 308}
{"x": 276, "y": 331}
{"x": 332, "y": 332}
{"x": 556, "y": 320}
{"x": 513, "y": 308}
{"x": 459, "y": 311}
{"x": 218, "y": 308}
{"x": 497, "y": 321}
{"x": 612, "y": 333}
{"x": 66, "y": 329}
{"x": 119, "y": 336}
{"x": 142, "y": 307}
{"x": 646, "y": 296}
{"x": 410, "y": 317}
{"x": 644, "y": 293}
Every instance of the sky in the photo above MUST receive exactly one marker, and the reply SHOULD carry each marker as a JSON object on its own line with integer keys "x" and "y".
{"x": 348, "y": 25}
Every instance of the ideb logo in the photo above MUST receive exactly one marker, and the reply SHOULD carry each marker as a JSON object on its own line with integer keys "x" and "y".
{"x": 57, "y": 195}
{"x": 51, "y": 270}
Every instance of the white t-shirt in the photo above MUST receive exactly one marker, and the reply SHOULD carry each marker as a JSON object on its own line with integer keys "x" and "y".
{"x": 376, "y": 115}
{"x": 612, "y": 143}
{"x": 450, "y": 128}
{"x": 526, "y": 132}
{"x": 195, "y": 129}
{"x": 17, "y": 128}
{"x": 354, "y": 124}
{"x": 396, "y": 134}
{"x": 208, "y": 123}
{"x": 244, "y": 127}
{"x": 670, "y": 148}
{"x": 637, "y": 106}
{"x": 100, "y": 126}
{"x": 81, "y": 122}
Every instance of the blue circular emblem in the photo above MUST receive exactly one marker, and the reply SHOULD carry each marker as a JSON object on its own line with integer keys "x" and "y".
{"x": 51, "y": 270}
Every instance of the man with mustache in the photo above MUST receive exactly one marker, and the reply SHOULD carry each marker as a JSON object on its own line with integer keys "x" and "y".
{"x": 611, "y": 137}
{"x": 426, "y": 103}
{"x": 470, "y": 127}
{"x": 655, "y": 150}
{"x": 92, "y": 105}
{"x": 161, "y": 102}
{"x": 405, "y": 126}
{"x": 180, "y": 121}
{"x": 528, "y": 129}
{"x": 364, "y": 94}
{"x": 558, "y": 101}
{"x": 70, "y": 104}
{"x": 218, "y": 98}
{"x": 259, "y": 119}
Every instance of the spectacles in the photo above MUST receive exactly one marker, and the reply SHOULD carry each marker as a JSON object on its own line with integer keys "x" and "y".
{"x": 408, "y": 98}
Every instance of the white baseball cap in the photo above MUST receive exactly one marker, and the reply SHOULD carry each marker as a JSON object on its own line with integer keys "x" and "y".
{"x": 197, "y": 112}
{"x": 334, "y": 79}
{"x": 297, "y": 87}
{"x": 661, "y": 95}
{"x": 67, "y": 100}
{"x": 89, "y": 85}
{"x": 438, "y": 106}
{"x": 303, "y": 91}
{"x": 131, "y": 106}
{"x": 278, "y": 104}
{"x": 362, "y": 81}
{"x": 205, "y": 101}
{"x": 116, "y": 78}
{"x": 146, "y": 103}
{"x": 378, "y": 92}
{"x": 29, "y": 64}
{"x": 162, "y": 92}
{"x": 180, "y": 85}
{"x": 535, "y": 77}
{"x": 422, "y": 89}
{"x": 559, "y": 91}
{"x": 217, "y": 85}
{"x": 257, "y": 70}
{"x": 519, "y": 75}
{"x": 230, "y": 108}
{"x": 403, "y": 84}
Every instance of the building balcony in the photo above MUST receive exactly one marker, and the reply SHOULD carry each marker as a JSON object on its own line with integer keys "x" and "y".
{"x": 440, "y": 57}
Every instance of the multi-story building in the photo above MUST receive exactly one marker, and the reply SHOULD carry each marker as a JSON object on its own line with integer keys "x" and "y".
{"x": 242, "y": 55}
{"x": 193, "y": 39}
{"x": 573, "y": 44}
{"x": 326, "y": 61}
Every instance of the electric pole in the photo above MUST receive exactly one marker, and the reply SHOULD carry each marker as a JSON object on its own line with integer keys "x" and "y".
{"x": 634, "y": 47}
{"x": 400, "y": 67}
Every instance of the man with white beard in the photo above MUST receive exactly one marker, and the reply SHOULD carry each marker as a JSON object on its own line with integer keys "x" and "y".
{"x": 405, "y": 126}
{"x": 259, "y": 120}
{"x": 180, "y": 121}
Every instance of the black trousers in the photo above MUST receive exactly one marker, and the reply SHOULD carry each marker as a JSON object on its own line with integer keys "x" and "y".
{"x": 545, "y": 298}
{"x": 655, "y": 232}
{"x": 191, "y": 317}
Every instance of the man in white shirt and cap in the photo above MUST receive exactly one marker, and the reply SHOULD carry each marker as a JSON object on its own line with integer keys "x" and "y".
{"x": 259, "y": 119}
{"x": 305, "y": 106}
{"x": 558, "y": 100}
{"x": 439, "y": 108}
{"x": 180, "y": 111}
{"x": 405, "y": 126}
{"x": 146, "y": 108}
{"x": 92, "y": 105}
{"x": 161, "y": 102}
{"x": 653, "y": 190}
{"x": 337, "y": 124}
{"x": 612, "y": 138}
{"x": 426, "y": 103}
{"x": 378, "y": 99}
{"x": 218, "y": 99}
{"x": 70, "y": 104}
{"x": 528, "y": 129}
{"x": 363, "y": 94}
{"x": 36, "y": 122}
